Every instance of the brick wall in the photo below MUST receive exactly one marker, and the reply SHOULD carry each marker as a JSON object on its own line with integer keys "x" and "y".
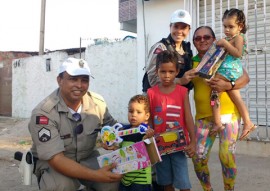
{"x": 127, "y": 10}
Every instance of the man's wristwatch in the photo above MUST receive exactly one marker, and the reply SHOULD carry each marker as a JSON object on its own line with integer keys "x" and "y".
{"x": 233, "y": 84}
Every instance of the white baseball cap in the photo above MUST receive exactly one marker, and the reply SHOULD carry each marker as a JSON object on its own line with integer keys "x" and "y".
{"x": 75, "y": 67}
{"x": 181, "y": 16}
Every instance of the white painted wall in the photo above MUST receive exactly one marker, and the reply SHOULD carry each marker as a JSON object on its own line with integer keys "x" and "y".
{"x": 113, "y": 65}
{"x": 115, "y": 69}
{"x": 31, "y": 83}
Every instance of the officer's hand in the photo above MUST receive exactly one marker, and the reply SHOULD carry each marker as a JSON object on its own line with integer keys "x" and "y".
{"x": 105, "y": 174}
{"x": 112, "y": 147}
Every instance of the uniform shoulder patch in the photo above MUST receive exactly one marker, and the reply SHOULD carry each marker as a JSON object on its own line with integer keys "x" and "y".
{"x": 44, "y": 135}
{"x": 42, "y": 120}
{"x": 158, "y": 50}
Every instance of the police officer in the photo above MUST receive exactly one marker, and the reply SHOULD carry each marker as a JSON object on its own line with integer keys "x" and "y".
{"x": 180, "y": 23}
{"x": 64, "y": 129}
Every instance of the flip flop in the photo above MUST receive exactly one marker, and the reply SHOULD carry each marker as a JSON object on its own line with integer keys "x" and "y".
{"x": 246, "y": 132}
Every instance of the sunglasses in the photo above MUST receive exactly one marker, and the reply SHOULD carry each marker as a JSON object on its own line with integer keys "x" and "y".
{"x": 204, "y": 37}
{"x": 79, "y": 128}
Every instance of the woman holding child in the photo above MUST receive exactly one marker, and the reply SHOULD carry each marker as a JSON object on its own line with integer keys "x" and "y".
{"x": 203, "y": 39}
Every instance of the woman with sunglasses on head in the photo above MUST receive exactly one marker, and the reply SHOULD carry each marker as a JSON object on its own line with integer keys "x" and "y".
{"x": 64, "y": 128}
{"x": 203, "y": 38}
{"x": 180, "y": 23}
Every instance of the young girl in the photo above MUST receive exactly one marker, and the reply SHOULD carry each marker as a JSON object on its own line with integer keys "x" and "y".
{"x": 234, "y": 23}
{"x": 170, "y": 109}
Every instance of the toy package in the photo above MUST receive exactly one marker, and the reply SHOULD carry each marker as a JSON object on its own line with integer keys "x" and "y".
{"x": 171, "y": 141}
{"x": 134, "y": 157}
{"x": 113, "y": 134}
{"x": 211, "y": 61}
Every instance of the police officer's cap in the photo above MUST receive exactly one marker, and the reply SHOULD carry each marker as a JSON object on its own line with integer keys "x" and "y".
{"x": 181, "y": 16}
{"x": 75, "y": 67}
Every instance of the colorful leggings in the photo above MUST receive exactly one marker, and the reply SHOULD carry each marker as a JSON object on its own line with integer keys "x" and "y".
{"x": 227, "y": 146}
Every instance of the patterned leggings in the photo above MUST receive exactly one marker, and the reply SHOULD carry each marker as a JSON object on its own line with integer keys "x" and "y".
{"x": 227, "y": 146}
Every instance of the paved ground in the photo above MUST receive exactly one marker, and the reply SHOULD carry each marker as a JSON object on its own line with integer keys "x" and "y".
{"x": 253, "y": 160}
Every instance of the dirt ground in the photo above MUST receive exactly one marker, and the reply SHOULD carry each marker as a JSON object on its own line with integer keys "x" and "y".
{"x": 253, "y": 161}
{"x": 14, "y": 137}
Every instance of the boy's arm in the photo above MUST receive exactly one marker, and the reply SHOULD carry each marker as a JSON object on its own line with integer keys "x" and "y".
{"x": 190, "y": 149}
{"x": 149, "y": 133}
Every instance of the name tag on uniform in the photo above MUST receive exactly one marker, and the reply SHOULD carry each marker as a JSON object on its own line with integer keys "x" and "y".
{"x": 65, "y": 136}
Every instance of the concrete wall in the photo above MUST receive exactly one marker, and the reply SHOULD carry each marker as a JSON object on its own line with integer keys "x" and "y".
{"x": 6, "y": 79}
{"x": 113, "y": 65}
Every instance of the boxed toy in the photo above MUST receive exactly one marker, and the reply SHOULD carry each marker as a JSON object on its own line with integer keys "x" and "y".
{"x": 134, "y": 157}
{"x": 211, "y": 61}
{"x": 171, "y": 141}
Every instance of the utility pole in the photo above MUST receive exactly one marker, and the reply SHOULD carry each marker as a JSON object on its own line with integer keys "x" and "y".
{"x": 80, "y": 47}
{"x": 42, "y": 27}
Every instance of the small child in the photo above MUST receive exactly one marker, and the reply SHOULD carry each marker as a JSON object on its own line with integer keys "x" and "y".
{"x": 234, "y": 24}
{"x": 138, "y": 112}
{"x": 169, "y": 103}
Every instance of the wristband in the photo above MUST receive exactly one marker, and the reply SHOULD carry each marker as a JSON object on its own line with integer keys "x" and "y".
{"x": 233, "y": 84}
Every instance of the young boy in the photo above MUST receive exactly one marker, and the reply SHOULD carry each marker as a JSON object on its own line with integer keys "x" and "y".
{"x": 138, "y": 112}
{"x": 169, "y": 105}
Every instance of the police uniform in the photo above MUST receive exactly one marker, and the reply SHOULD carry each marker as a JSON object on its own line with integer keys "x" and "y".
{"x": 184, "y": 61}
{"x": 54, "y": 130}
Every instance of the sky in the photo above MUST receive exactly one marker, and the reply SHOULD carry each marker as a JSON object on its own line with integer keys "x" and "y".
{"x": 66, "y": 21}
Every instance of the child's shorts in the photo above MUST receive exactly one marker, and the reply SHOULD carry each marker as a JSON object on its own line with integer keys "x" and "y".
{"x": 173, "y": 170}
{"x": 231, "y": 68}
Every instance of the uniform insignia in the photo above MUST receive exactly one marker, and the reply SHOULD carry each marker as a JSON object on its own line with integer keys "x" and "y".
{"x": 81, "y": 63}
{"x": 42, "y": 120}
{"x": 44, "y": 135}
{"x": 181, "y": 14}
{"x": 158, "y": 50}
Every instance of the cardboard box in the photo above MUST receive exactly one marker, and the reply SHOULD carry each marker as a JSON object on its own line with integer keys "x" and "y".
{"x": 134, "y": 157}
{"x": 211, "y": 61}
{"x": 171, "y": 141}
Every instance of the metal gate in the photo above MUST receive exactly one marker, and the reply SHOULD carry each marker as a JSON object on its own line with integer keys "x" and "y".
{"x": 257, "y": 93}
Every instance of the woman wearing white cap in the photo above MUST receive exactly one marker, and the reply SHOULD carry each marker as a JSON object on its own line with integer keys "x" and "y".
{"x": 180, "y": 23}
